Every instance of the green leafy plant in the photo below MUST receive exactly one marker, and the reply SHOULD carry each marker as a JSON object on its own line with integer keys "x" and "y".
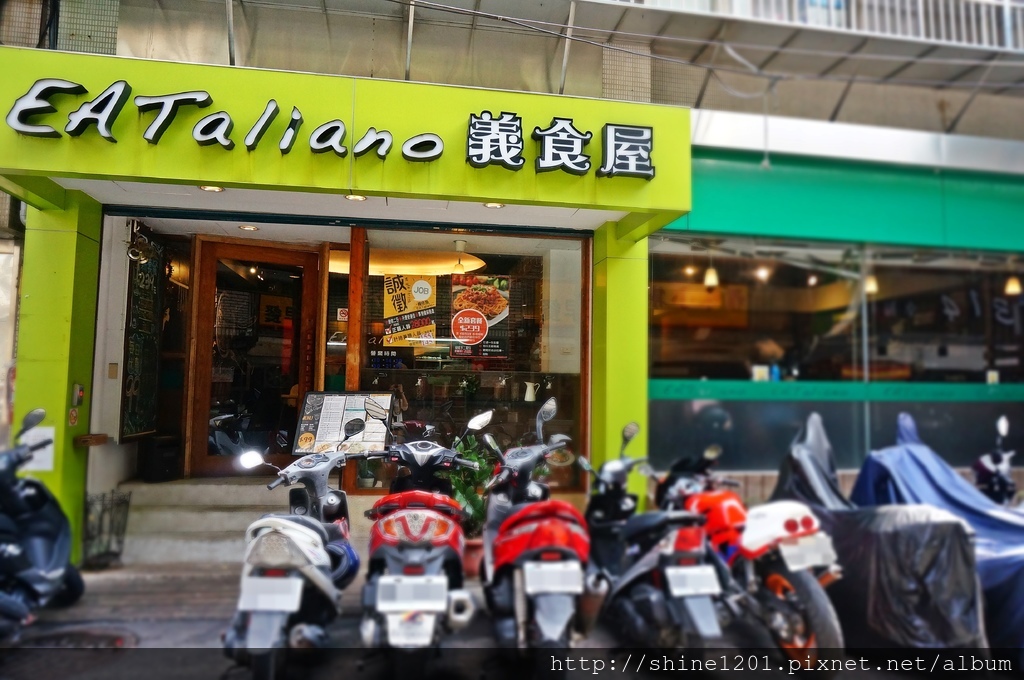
{"x": 468, "y": 484}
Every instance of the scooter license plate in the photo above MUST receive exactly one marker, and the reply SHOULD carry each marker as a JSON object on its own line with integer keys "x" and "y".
{"x": 553, "y": 577}
{"x": 412, "y": 594}
{"x": 411, "y": 629}
{"x": 698, "y": 580}
{"x": 262, "y": 594}
{"x": 808, "y": 551}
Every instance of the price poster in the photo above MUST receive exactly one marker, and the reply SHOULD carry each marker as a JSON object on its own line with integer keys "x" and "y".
{"x": 480, "y": 311}
{"x": 322, "y": 422}
{"x": 410, "y": 307}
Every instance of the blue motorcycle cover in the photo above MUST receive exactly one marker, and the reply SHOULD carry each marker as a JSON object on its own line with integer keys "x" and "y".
{"x": 910, "y": 472}
{"x": 909, "y": 575}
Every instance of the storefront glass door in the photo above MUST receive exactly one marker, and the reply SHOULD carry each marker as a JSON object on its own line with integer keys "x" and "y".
{"x": 254, "y": 357}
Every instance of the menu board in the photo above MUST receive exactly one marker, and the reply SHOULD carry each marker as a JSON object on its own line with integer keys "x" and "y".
{"x": 410, "y": 307}
{"x": 143, "y": 329}
{"x": 322, "y": 422}
{"x": 480, "y": 322}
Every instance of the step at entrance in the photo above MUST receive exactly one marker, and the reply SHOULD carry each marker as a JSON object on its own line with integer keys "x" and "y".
{"x": 204, "y": 520}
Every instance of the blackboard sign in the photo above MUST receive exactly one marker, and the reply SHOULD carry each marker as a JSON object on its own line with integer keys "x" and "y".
{"x": 141, "y": 363}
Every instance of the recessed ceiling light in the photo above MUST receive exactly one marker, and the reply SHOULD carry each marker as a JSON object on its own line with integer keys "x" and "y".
{"x": 763, "y": 273}
{"x": 812, "y": 280}
{"x": 252, "y": 270}
{"x": 248, "y": 227}
{"x": 494, "y": 205}
{"x": 212, "y": 189}
{"x": 355, "y": 197}
{"x": 689, "y": 270}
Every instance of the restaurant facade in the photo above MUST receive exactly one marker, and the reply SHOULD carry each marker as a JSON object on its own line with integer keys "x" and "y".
{"x": 206, "y": 245}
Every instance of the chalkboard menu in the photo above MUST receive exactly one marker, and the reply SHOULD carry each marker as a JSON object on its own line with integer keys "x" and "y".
{"x": 141, "y": 363}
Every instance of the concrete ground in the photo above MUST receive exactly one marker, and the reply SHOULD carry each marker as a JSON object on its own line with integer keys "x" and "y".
{"x": 169, "y": 618}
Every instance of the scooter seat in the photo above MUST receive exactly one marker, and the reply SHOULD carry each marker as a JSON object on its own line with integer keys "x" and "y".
{"x": 327, "y": 532}
{"x": 649, "y": 522}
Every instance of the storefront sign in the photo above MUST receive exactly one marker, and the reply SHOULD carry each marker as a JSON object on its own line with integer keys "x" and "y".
{"x": 410, "y": 304}
{"x": 480, "y": 308}
{"x": 248, "y": 128}
{"x": 275, "y": 310}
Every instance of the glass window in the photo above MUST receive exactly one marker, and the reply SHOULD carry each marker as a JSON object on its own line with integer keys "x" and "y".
{"x": 337, "y": 321}
{"x": 504, "y": 333}
{"x": 938, "y": 317}
{"x": 740, "y": 309}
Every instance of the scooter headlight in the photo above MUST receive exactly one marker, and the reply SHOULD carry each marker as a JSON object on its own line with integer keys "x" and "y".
{"x": 274, "y": 549}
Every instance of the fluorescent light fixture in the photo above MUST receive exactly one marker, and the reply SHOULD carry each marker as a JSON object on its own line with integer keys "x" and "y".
{"x": 871, "y": 285}
{"x": 248, "y": 227}
{"x": 212, "y": 189}
{"x": 1012, "y": 286}
{"x": 355, "y": 197}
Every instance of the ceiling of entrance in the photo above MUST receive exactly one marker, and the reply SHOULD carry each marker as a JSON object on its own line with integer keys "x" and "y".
{"x": 328, "y": 212}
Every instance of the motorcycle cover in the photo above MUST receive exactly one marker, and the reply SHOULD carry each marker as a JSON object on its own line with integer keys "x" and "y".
{"x": 910, "y": 472}
{"x": 909, "y": 575}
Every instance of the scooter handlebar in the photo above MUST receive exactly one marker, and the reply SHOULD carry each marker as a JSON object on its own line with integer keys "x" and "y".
{"x": 40, "y": 445}
{"x": 276, "y": 483}
{"x": 472, "y": 465}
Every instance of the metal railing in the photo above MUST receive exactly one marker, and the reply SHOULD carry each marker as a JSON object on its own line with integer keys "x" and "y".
{"x": 989, "y": 24}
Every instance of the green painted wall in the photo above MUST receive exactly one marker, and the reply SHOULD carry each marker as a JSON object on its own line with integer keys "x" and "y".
{"x": 747, "y": 390}
{"x": 618, "y": 347}
{"x": 56, "y": 336}
{"x": 856, "y": 202}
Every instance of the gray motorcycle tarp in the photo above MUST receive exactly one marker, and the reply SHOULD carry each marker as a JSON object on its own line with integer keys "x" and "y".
{"x": 909, "y": 572}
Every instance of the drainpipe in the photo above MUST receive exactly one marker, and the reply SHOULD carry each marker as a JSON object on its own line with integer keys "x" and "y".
{"x": 229, "y": 9}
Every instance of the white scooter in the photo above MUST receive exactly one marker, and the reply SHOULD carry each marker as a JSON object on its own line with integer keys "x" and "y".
{"x": 295, "y": 567}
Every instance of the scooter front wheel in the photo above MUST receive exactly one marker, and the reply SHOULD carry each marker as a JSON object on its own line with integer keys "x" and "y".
{"x": 267, "y": 665}
{"x": 74, "y": 588}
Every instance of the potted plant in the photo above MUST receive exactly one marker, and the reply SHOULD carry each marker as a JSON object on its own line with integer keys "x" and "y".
{"x": 468, "y": 486}
{"x": 365, "y": 479}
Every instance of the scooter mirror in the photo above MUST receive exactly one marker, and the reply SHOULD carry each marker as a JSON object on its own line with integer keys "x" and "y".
{"x": 646, "y": 470}
{"x": 548, "y": 410}
{"x": 1003, "y": 426}
{"x": 628, "y": 432}
{"x": 354, "y": 427}
{"x": 492, "y": 444}
{"x": 250, "y": 459}
{"x": 712, "y": 452}
{"x": 479, "y": 421}
{"x": 375, "y": 410}
{"x": 31, "y": 419}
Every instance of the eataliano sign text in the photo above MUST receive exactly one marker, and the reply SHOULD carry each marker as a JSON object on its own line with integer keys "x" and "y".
{"x": 626, "y": 150}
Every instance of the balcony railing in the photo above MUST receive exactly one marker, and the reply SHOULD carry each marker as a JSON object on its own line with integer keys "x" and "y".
{"x": 986, "y": 24}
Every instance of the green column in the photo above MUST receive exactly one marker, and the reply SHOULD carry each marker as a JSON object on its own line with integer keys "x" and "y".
{"x": 56, "y": 337}
{"x": 619, "y": 346}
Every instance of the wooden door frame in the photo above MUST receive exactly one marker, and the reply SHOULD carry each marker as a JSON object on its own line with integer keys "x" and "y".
{"x": 205, "y": 251}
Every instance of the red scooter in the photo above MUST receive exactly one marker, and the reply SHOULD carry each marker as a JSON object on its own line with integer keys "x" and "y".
{"x": 414, "y": 589}
{"x": 535, "y": 549}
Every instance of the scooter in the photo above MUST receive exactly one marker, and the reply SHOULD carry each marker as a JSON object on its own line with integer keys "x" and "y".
{"x": 663, "y": 577}
{"x": 35, "y": 541}
{"x": 992, "y": 473}
{"x": 535, "y": 549}
{"x": 776, "y": 553}
{"x": 414, "y": 586}
{"x": 295, "y": 567}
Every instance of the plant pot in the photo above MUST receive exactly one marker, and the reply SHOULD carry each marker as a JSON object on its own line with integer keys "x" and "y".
{"x": 365, "y": 482}
{"x": 473, "y": 557}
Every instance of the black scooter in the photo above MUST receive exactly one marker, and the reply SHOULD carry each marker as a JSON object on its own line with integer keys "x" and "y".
{"x": 992, "y": 472}
{"x": 35, "y": 542}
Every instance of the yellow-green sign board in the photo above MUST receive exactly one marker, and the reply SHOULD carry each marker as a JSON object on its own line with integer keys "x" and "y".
{"x": 86, "y": 116}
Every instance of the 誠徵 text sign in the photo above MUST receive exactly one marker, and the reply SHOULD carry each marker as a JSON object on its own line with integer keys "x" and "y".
{"x": 91, "y": 116}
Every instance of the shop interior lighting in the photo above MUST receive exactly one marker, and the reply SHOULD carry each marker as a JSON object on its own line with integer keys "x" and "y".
{"x": 212, "y": 189}
{"x": 496, "y": 206}
{"x": 871, "y": 285}
{"x": 1012, "y": 286}
{"x": 689, "y": 270}
{"x": 355, "y": 197}
{"x": 460, "y": 247}
{"x": 812, "y": 280}
{"x": 248, "y": 227}
{"x": 252, "y": 270}
{"x": 711, "y": 275}
{"x": 762, "y": 273}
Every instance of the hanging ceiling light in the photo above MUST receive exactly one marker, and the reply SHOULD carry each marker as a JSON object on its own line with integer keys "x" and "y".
{"x": 711, "y": 275}
{"x": 460, "y": 247}
{"x": 871, "y": 285}
{"x": 1012, "y": 286}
